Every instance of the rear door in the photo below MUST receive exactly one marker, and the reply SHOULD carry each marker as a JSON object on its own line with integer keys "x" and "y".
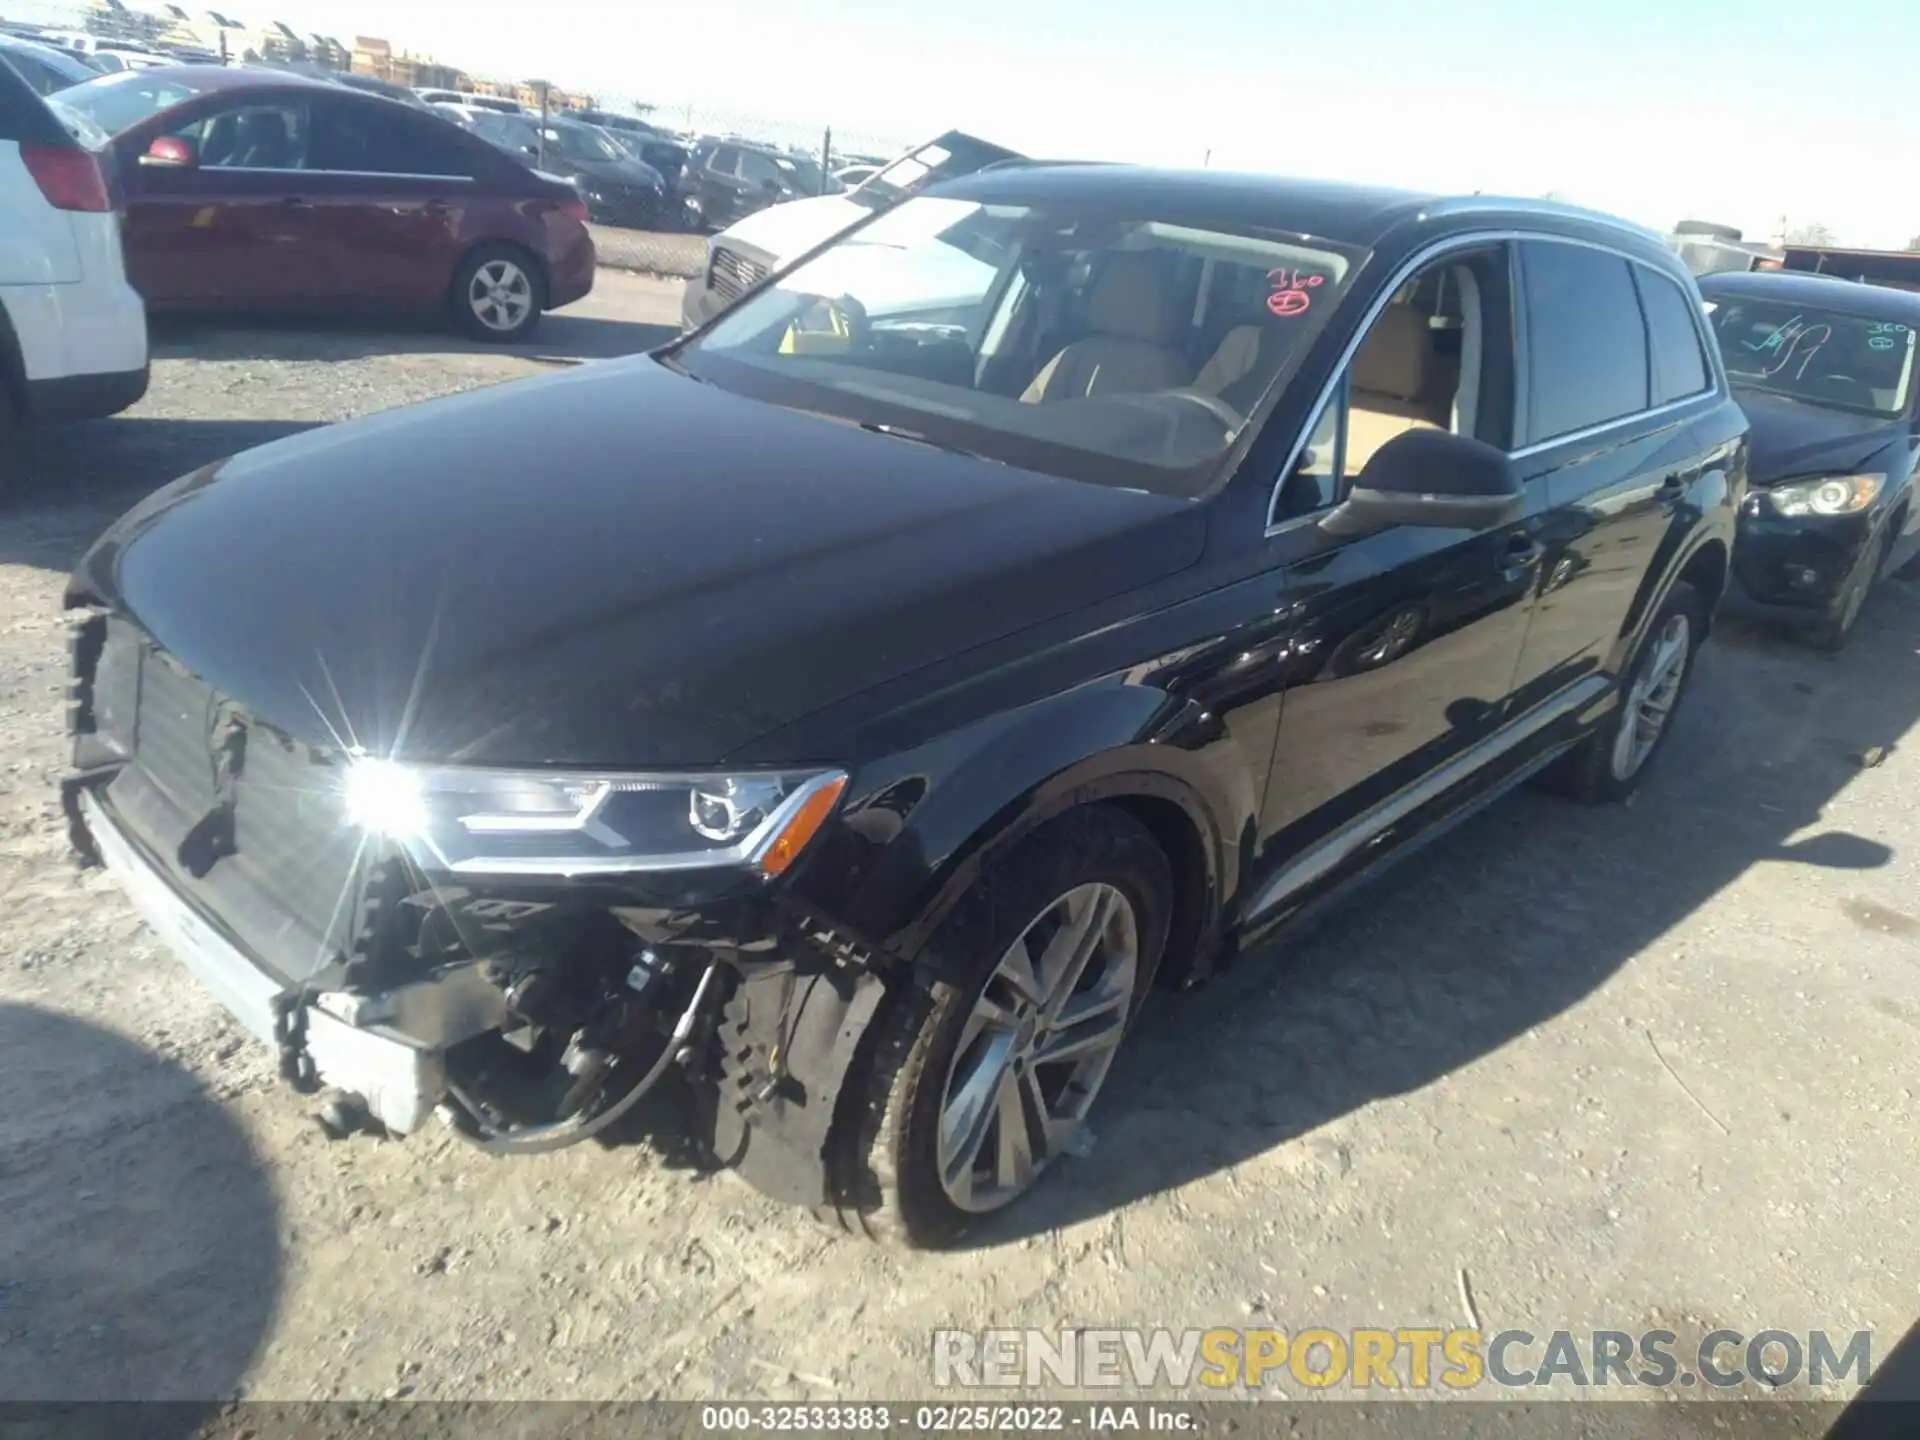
{"x": 392, "y": 186}
{"x": 719, "y": 186}
{"x": 237, "y": 228}
{"x": 1615, "y": 377}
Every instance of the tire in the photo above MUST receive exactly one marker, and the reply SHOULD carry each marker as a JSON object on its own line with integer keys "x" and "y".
{"x": 13, "y": 447}
{"x": 1836, "y": 630}
{"x": 498, "y": 294}
{"x": 884, "y": 1161}
{"x": 1599, "y": 771}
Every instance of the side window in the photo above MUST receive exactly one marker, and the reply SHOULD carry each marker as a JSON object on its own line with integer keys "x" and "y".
{"x": 724, "y": 161}
{"x": 757, "y": 169}
{"x": 1586, "y": 343}
{"x": 251, "y": 137}
{"x": 369, "y": 140}
{"x": 1439, "y": 356}
{"x": 1679, "y": 365}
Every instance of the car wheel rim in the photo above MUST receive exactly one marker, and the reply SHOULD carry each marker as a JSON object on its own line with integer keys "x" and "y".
{"x": 1037, "y": 1046}
{"x": 1649, "y": 703}
{"x": 501, "y": 295}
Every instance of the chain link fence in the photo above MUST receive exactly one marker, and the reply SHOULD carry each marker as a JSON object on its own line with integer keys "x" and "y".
{"x": 651, "y": 252}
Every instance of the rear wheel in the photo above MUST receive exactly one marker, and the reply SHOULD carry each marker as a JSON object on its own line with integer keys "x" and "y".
{"x": 1610, "y": 763}
{"x": 979, "y": 1081}
{"x": 498, "y": 294}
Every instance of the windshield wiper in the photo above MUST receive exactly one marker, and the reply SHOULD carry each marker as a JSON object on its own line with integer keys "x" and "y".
{"x": 899, "y": 433}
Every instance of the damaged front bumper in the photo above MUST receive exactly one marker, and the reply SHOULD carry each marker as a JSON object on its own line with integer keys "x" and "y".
{"x": 776, "y": 1041}
{"x": 389, "y": 1050}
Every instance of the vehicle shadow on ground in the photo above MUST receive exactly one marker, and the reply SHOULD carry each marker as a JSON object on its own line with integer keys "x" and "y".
{"x": 1503, "y": 924}
{"x": 139, "y": 1258}
{"x": 80, "y": 478}
{"x": 560, "y": 338}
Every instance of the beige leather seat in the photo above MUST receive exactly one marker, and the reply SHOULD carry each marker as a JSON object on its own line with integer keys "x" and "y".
{"x": 1131, "y": 314}
{"x": 1398, "y": 385}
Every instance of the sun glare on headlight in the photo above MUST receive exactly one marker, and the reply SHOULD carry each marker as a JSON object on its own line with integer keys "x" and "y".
{"x": 383, "y": 798}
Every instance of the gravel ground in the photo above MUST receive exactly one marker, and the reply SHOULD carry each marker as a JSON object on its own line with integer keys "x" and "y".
{"x": 1649, "y": 1067}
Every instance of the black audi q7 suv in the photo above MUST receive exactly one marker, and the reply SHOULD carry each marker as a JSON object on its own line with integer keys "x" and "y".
{"x": 870, "y": 702}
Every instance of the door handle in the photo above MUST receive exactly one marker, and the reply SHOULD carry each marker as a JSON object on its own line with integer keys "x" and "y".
{"x": 1523, "y": 554}
{"x": 297, "y": 202}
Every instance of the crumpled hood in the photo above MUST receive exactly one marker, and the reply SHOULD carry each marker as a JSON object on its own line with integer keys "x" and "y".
{"x": 787, "y": 231}
{"x": 617, "y": 566}
{"x": 1791, "y": 438}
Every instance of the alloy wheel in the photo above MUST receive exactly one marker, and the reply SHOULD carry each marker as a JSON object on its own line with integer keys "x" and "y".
{"x": 1650, "y": 702}
{"x": 501, "y": 294}
{"x": 1037, "y": 1046}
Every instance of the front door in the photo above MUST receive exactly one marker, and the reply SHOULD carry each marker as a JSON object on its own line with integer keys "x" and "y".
{"x": 1405, "y": 641}
{"x": 236, "y": 227}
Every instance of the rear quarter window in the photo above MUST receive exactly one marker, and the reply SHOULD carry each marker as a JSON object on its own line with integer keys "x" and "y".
{"x": 1586, "y": 342}
{"x": 1679, "y": 364}
{"x": 24, "y": 117}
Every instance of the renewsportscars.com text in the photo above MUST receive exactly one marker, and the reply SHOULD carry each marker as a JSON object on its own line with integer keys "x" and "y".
{"x": 1410, "y": 1358}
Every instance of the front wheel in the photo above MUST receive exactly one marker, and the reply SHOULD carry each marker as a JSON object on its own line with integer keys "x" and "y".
{"x": 1836, "y": 630}
{"x": 498, "y": 295}
{"x": 1610, "y": 763}
{"x": 978, "y": 1081}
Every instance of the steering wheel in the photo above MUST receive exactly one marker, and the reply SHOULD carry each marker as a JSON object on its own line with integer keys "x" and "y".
{"x": 1213, "y": 405}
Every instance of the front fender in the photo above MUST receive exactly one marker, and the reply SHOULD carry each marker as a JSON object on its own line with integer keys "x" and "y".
{"x": 923, "y": 824}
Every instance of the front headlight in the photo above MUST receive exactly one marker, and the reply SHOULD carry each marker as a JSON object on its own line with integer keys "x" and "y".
{"x": 1833, "y": 495}
{"x": 510, "y": 822}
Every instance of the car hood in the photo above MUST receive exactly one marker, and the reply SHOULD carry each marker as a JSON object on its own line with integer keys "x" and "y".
{"x": 1791, "y": 438}
{"x": 788, "y": 230}
{"x": 615, "y": 566}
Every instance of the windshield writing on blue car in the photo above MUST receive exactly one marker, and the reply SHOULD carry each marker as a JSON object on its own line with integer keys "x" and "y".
{"x": 1823, "y": 357}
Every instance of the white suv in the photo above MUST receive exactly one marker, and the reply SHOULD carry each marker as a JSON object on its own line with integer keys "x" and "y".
{"x": 73, "y": 333}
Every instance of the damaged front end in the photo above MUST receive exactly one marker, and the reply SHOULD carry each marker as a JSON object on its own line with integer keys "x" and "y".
{"x": 525, "y": 954}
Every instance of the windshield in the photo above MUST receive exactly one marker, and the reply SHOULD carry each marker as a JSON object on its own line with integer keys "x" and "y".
{"x": 507, "y": 131}
{"x": 1093, "y": 346}
{"x": 577, "y": 142}
{"x": 947, "y": 158}
{"x": 1825, "y": 357}
{"x": 115, "y": 103}
{"x": 804, "y": 175}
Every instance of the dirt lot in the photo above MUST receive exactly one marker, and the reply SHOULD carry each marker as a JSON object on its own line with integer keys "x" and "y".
{"x": 1650, "y": 1067}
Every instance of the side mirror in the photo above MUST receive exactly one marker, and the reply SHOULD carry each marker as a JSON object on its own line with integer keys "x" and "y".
{"x": 1430, "y": 478}
{"x": 171, "y": 152}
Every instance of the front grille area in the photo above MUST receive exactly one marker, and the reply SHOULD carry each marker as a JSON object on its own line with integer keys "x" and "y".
{"x": 285, "y": 891}
{"x": 730, "y": 274}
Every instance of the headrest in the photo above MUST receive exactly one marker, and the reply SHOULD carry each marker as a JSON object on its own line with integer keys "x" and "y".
{"x": 1130, "y": 299}
{"x": 1397, "y": 358}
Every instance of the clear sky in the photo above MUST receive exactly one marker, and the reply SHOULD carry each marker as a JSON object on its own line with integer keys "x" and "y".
{"x": 1655, "y": 109}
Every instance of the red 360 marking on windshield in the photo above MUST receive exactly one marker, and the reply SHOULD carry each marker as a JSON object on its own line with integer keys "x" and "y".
{"x": 1289, "y": 295}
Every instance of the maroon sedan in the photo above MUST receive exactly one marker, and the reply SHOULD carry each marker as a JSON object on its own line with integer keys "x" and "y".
{"x": 255, "y": 190}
